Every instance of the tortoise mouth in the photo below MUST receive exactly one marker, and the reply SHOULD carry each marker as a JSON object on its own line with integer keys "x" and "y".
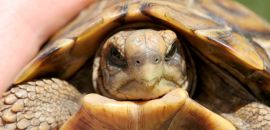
{"x": 146, "y": 90}
{"x": 175, "y": 96}
{"x": 143, "y": 90}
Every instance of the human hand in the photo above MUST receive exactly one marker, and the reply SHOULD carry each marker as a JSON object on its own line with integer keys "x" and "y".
{"x": 24, "y": 26}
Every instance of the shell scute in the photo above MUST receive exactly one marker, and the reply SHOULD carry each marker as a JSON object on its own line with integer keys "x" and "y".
{"x": 224, "y": 32}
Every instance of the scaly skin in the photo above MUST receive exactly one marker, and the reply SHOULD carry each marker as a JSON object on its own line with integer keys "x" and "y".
{"x": 43, "y": 104}
{"x": 253, "y": 116}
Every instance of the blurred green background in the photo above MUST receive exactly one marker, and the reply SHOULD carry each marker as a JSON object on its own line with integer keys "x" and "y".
{"x": 261, "y": 7}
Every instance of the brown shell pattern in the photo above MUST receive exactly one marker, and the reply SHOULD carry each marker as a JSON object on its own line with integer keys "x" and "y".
{"x": 225, "y": 32}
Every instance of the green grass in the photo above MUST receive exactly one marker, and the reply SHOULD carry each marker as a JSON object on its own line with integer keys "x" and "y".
{"x": 261, "y": 7}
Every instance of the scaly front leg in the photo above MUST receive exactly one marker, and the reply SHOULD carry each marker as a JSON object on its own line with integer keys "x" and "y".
{"x": 253, "y": 116}
{"x": 42, "y": 105}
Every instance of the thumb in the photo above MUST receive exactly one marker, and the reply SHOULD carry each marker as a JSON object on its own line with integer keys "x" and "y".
{"x": 25, "y": 25}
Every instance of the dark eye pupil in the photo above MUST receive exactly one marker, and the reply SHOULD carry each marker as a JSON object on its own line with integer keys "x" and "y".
{"x": 116, "y": 59}
{"x": 115, "y": 53}
{"x": 171, "y": 53}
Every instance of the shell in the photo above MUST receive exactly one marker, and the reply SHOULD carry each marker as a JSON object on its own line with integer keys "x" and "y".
{"x": 175, "y": 111}
{"x": 225, "y": 32}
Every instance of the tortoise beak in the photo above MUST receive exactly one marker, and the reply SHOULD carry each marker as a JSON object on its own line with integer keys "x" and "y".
{"x": 174, "y": 111}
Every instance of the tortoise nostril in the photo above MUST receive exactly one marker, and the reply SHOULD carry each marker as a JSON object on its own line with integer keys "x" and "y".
{"x": 157, "y": 60}
{"x": 137, "y": 62}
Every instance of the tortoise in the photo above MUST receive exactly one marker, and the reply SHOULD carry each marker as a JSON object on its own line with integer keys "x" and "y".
{"x": 148, "y": 65}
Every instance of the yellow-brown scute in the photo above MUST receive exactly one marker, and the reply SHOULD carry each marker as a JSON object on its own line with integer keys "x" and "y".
{"x": 141, "y": 65}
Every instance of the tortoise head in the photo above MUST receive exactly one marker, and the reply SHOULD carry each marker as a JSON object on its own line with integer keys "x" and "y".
{"x": 140, "y": 65}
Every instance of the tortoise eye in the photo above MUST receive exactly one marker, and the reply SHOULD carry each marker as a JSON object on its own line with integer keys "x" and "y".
{"x": 116, "y": 59}
{"x": 171, "y": 52}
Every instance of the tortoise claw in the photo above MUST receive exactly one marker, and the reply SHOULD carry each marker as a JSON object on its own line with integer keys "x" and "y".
{"x": 174, "y": 111}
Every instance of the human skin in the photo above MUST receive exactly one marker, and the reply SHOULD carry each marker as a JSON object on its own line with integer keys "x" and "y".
{"x": 24, "y": 26}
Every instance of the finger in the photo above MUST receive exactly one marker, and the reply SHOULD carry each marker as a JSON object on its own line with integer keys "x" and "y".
{"x": 24, "y": 26}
